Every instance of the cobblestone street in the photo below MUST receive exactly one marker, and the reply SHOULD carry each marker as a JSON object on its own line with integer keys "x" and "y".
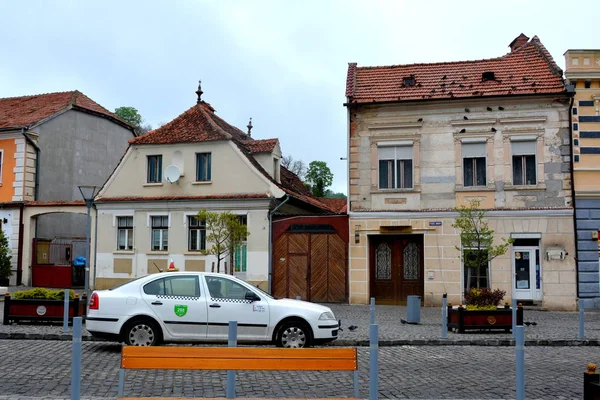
{"x": 41, "y": 369}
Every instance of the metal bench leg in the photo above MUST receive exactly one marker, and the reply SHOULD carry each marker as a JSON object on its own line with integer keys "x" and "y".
{"x": 121, "y": 382}
{"x": 356, "y": 383}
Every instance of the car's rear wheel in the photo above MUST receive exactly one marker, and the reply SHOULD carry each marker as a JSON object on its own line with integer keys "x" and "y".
{"x": 142, "y": 332}
{"x": 294, "y": 335}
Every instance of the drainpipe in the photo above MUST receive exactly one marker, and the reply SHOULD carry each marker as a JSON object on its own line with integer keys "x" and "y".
{"x": 36, "y": 191}
{"x": 37, "y": 163}
{"x": 95, "y": 246}
{"x": 270, "y": 282}
{"x": 572, "y": 164}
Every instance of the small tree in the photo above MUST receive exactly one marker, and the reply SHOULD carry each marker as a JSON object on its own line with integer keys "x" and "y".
{"x": 319, "y": 177}
{"x": 296, "y": 166}
{"x": 477, "y": 240}
{"x": 5, "y": 256}
{"x": 224, "y": 231}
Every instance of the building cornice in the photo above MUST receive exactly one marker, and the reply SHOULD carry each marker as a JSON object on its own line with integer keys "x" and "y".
{"x": 561, "y": 212}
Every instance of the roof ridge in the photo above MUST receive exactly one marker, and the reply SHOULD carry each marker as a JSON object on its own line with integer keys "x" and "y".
{"x": 554, "y": 68}
{"x": 213, "y": 123}
{"x": 351, "y": 79}
{"x": 36, "y": 95}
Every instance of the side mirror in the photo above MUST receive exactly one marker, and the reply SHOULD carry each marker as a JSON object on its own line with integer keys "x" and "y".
{"x": 250, "y": 295}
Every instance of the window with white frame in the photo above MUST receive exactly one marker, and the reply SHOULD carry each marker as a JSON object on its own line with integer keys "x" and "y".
{"x": 474, "y": 164}
{"x": 203, "y": 167}
{"x": 241, "y": 251}
{"x": 196, "y": 234}
{"x": 154, "y": 173}
{"x": 523, "y": 162}
{"x": 125, "y": 233}
{"x": 160, "y": 232}
{"x": 476, "y": 269}
{"x": 395, "y": 167}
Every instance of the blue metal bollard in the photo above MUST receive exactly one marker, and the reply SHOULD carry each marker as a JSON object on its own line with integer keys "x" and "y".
{"x": 520, "y": 349}
{"x": 372, "y": 310}
{"x": 445, "y": 316}
{"x": 66, "y": 312}
{"x": 232, "y": 342}
{"x": 514, "y": 316}
{"x": 298, "y": 298}
{"x": 581, "y": 319}
{"x": 374, "y": 362}
{"x": 76, "y": 360}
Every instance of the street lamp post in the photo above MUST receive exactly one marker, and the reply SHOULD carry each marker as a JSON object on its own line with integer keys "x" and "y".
{"x": 88, "y": 193}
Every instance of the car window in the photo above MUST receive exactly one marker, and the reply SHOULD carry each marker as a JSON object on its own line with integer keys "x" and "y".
{"x": 223, "y": 288}
{"x": 174, "y": 286}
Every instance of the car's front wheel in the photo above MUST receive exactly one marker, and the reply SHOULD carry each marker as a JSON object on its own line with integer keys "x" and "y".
{"x": 142, "y": 332}
{"x": 294, "y": 335}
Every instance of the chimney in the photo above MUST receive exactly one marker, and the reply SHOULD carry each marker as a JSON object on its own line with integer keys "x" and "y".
{"x": 518, "y": 42}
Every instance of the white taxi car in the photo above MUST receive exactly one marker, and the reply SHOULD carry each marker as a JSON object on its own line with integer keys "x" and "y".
{"x": 197, "y": 306}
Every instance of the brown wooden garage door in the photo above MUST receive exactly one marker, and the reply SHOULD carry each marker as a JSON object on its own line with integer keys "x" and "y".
{"x": 310, "y": 265}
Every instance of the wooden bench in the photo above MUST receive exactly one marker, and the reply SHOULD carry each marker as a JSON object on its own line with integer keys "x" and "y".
{"x": 238, "y": 359}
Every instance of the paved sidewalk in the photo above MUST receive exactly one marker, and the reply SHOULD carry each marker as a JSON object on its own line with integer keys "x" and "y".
{"x": 553, "y": 328}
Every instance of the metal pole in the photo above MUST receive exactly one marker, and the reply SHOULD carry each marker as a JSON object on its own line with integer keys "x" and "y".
{"x": 445, "y": 316}
{"x": 231, "y": 374}
{"x": 372, "y": 310}
{"x": 66, "y": 312}
{"x": 520, "y": 347}
{"x": 76, "y": 360}
{"x": 298, "y": 298}
{"x": 87, "y": 248}
{"x": 95, "y": 247}
{"x": 514, "y": 316}
{"x": 374, "y": 362}
{"x": 581, "y": 319}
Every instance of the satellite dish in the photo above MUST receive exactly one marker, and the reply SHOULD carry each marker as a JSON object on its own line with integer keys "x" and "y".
{"x": 172, "y": 173}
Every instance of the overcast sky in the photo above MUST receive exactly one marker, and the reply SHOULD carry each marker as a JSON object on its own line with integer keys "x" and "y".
{"x": 283, "y": 63}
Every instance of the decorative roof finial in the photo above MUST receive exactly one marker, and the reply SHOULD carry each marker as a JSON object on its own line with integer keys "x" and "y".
{"x": 199, "y": 92}
{"x": 249, "y": 126}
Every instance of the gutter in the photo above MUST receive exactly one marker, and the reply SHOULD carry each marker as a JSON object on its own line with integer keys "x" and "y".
{"x": 270, "y": 280}
{"x": 571, "y": 164}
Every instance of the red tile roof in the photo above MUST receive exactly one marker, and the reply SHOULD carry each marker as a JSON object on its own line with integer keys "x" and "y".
{"x": 529, "y": 69}
{"x": 260, "y": 146}
{"x": 340, "y": 205}
{"x": 25, "y": 111}
{"x": 197, "y": 124}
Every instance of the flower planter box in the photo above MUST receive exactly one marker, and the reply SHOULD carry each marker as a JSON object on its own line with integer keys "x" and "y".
{"x": 41, "y": 310}
{"x": 461, "y": 319}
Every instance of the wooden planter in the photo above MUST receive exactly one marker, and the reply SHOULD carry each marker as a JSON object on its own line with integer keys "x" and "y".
{"x": 39, "y": 310}
{"x": 462, "y": 320}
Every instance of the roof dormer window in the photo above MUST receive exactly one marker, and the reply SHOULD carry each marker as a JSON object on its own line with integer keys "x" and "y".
{"x": 409, "y": 80}
{"x": 488, "y": 76}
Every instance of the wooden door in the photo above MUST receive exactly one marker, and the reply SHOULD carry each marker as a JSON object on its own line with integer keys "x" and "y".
{"x": 396, "y": 268}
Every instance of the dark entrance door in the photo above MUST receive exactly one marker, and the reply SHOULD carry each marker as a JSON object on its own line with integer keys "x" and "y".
{"x": 396, "y": 268}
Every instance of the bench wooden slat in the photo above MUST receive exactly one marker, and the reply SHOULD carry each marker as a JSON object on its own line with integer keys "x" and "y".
{"x": 223, "y": 398}
{"x": 237, "y": 352}
{"x": 244, "y": 364}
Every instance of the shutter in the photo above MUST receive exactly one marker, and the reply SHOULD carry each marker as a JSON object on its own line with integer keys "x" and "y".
{"x": 404, "y": 153}
{"x": 387, "y": 153}
{"x": 473, "y": 150}
{"x": 523, "y": 148}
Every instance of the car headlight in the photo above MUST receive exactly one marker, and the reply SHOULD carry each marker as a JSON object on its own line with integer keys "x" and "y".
{"x": 326, "y": 316}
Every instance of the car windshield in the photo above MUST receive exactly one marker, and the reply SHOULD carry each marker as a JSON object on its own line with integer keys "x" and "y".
{"x": 264, "y": 293}
{"x": 126, "y": 283}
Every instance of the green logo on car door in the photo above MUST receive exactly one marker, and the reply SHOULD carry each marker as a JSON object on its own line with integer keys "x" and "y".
{"x": 180, "y": 310}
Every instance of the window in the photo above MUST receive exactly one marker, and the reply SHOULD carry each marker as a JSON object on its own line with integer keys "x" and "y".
{"x": 474, "y": 168}
{"x": 223, "y": 288}
{"x": 576, "y": 158}
{"x": 409, "y": 80}
{"x": 395, "y": 167}
{"x": 574, "y": 111}
{"x": 575, "y": 126}
{"x": 241, "y": 251}
{"x": 586, "y": 61}
{"x": 160, "y": 233}
{"x": 575, "y": 142}
{"x": 587, "y": 84}
{"x": 523, "y": 160}
{"x": 575, "y": 61}
{"x": 475, "y": 277}
{"x": 185, "y": 286}
{"x": 203, "y": 170}
{"x": 196, "y": 234}
{"x": 125, "y": 233}
{"x": 154, "y": 169}
{"x": 488, "y": 76}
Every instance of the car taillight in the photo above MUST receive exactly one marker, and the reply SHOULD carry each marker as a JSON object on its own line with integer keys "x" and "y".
{"x": 94, "y": 301}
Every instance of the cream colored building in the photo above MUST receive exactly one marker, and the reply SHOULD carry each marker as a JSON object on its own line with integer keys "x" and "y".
{"x": 426, "y": 138}
{"x": 147, "y": 208}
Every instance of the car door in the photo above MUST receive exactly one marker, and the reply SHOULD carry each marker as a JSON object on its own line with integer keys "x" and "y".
{"x": 179, "y": 303}
{"x": 227, "y": 302}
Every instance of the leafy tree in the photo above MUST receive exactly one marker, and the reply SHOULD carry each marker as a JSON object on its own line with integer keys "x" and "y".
{"x": 224, "y": 231}
{"x": 477, "y": 238}
{"x": 129, "y": 115}
{"x": 319, "y": 177}
{"x": 296, "y": 166}
{"x": 335, "y": 195}
{"x": 5, "y": 256}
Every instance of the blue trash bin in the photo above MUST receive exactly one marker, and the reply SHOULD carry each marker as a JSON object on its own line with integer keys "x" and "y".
{"x": 413, "y": 309}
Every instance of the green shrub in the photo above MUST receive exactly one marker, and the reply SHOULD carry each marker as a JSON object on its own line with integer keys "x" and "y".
{"x": 43, "y": 294}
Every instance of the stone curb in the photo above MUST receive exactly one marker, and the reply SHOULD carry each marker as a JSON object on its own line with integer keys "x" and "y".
{"x": 355, "y": 343}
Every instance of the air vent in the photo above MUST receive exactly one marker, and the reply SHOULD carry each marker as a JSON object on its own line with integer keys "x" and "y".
{"x": 488, "y": 76}
{"x": 409, "y": 80}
